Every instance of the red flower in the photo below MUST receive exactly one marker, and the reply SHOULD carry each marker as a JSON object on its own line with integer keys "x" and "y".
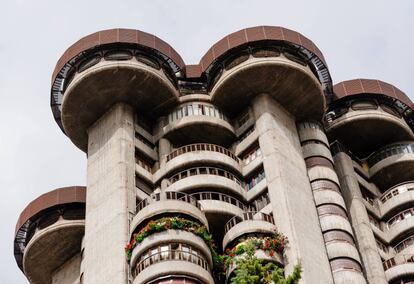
{"x": 272, "y": 253}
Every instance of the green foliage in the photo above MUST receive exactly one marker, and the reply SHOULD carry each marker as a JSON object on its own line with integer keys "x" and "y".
{"x": 270, "y": 245}
{"x": 251, "y": 270}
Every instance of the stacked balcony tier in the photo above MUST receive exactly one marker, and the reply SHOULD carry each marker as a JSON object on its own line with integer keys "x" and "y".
{"x": 113, "y": 66}
{"x": 267, "y": 60}
{"x": 49, "y": 233}
{"x": 362, "y": 107}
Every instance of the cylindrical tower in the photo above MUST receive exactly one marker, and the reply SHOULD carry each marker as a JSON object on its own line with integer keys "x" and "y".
{"x": 374, "y": 165}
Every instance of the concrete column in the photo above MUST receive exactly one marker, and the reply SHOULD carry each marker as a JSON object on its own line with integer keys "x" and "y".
{"x": 164, "y": 148}
{"x": 289, "y": 190}
{"x": 110, "y": 196}
{"x": 359, "y": 218}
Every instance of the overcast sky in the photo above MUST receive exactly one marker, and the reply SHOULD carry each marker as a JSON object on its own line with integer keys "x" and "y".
{"x": 360, "y": 39}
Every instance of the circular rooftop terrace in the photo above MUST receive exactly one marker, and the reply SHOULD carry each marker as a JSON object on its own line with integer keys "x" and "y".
{"x": 83, "y": 55}
{"x": 57, "y": 198}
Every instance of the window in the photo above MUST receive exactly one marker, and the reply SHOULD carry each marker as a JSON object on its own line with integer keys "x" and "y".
{"x": 252, "y": 155}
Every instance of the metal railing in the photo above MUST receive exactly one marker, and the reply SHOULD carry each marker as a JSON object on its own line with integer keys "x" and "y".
{"x": 201, "y": 147}
{"x": 169, "y": 255}
{"x": 210, "y": 195}
{"x": 205, "y": 171}
{"x": 396, "y": 190}
{"x": 169, "y": 195}
{"x": 391, "y": 150}
{"x": 248, "y": 216}
{"x": 398, "y": 260}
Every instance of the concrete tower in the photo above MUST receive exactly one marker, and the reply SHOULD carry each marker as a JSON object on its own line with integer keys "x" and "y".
{"x": 252, "y": 140}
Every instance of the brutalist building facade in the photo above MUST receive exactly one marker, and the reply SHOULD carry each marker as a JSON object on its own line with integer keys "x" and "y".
{"x": 186, "y": 163}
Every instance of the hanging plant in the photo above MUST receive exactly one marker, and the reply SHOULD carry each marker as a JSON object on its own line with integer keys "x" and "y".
{"x": 251, "y": 270}
{"x": 174, "y": 223}
{"x": 270, "y": 245}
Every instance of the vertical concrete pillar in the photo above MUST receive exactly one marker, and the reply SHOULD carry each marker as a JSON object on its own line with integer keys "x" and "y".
{"x": 164, "y": 148}
{"x": 110, "y": 196}
{"x": 359, "y": 218}
{"x": 289, "y": 190}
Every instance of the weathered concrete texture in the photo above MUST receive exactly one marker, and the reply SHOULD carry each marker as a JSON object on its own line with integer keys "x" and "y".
{"x": 365, "y": 124}
{"x": 51, "y": 248}
{"x": 110, "y": 197}
{"x": 93, "y": 92}
{"x": 289, "y": 190}
{"x": 400, "y": 271}
{"x": 334, "y": 249}
{"x": 276, "y": 76}
{"x": 359, "y": 218}
{"x": 68, "y": 273}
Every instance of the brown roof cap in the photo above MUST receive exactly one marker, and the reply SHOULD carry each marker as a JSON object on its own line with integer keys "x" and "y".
{"x": 64, "y": 195}
{"x": 258, "y": 33}
{"x": 117, "y": 36}
{"x": 368, "y": 86}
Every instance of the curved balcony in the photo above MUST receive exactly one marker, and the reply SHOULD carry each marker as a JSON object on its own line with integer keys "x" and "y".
{"x": 49, "y": 232}
{"x": 392, "y": 164}
{"x": 316, "y": 149}
{"x": 396, "y": 198}
{"x": 172, "y": 261}
{"x": 312, "y": 131}
{"x": 249, "y": 222}
{"x": 169, "y": 237}
{"x": 347, "y": 271}
{"x": 327, "y": 196}
{"x": 168, "y": 203}
{"x": 198, "y": 122}
{"x": 268, "y": 60}
{"x": 342, "y": 249}
{"x": 201, "y": 154}
{"x": 219, "y": 203}
{"x": 399, "y": 267}
{"x": 207, "y": 177}
{"x": 364, "y": 118}
{"x": 401, "y": 225}
{"x": 109, "y": 67}
{"x": 335, "y": 222}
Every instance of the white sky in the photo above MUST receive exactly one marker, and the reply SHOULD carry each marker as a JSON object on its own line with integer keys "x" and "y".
{"x": 360, "y": 39}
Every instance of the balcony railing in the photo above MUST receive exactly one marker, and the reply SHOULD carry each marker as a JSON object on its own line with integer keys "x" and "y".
{"x": 205, "y": 171}
{"x": 169, "y": 195}
{"x": 396, "y": 190}
{"x": 170, "y": 255}
{"x": 208, "y": 195}
{"x": 201, "y": 147}
{"x": 196, "y": 109}
{"x": 248, "y": 216}
{"x": 395, "y": 149}
{"x": 398, "y": 260}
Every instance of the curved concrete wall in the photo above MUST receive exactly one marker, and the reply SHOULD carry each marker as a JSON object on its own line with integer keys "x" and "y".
{"x": 335, "y": 222}
{"x": 342, "y": 249}
{"x": 400, "y": 271}
{"x": 177, "y": 267}
{"x": 167, "y": 206}
{"x": 171, "y": 236}
{"x": 326, "y": 196}
{"x": 393, "y": 204}
{"x": 222, "y": 184}
{"x": 245, "y": 227}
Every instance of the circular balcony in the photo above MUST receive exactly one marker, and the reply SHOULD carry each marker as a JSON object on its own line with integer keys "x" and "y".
{"x": 176, "y": 280}
{"x": 342, "y": 249}
{"x": 169, "y": 237}
{"x": 268, "y": 60}
{"x": 112, "y": 66}
{"x": 312, "y": 131}
{"x": 399, "y": 267}
{"x": 248, "y": 222}
{"x": 49, "y": 232}
{"x": 401, "y": 225}
{"x": 347, "y": 271}
{"x": 362, "y": 107}
{"x": 201, "y": 154}
{"x": 207, "y": 177}
{"x": 397, "y": 198}
{"x": 168, "y": 203}
{"x": 173, "y": 259}
{"x": 392, "y": 164}
{"x": 198, "y": 122}
{"x": 335, "y": 222}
